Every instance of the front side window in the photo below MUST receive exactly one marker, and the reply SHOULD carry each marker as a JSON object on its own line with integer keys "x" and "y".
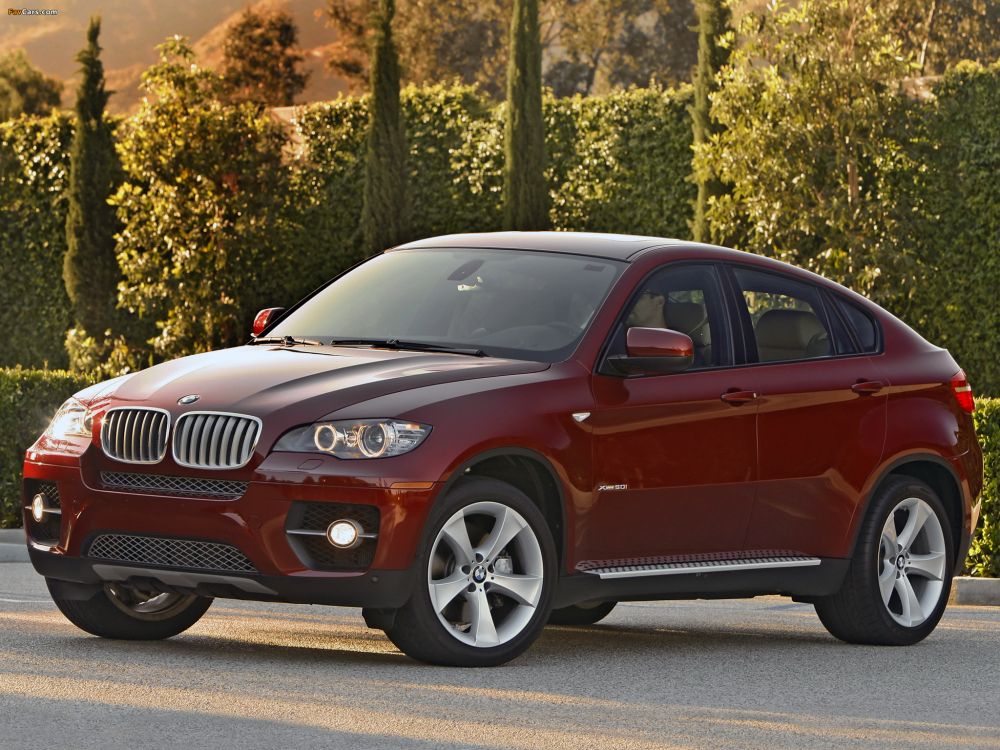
{"x": 787, "y": 316}
{"x": 686, "y": 298}
{"x": 507, "y": 303}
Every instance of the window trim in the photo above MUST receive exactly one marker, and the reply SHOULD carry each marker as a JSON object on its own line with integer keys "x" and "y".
{"x": 729, "y": 324}
{"x": 746, "y": 325}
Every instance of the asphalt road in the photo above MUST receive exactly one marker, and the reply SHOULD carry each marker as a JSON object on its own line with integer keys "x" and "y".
{"x": 758, "y": 673}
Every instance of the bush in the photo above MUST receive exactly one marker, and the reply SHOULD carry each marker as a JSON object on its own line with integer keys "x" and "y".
{"x": 28, "y": 399}
{"x": 984, "y": 555}
{"x": 34, "y": 308}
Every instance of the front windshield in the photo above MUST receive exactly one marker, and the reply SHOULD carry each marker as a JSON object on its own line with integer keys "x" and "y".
{"x": 507, "y": 303}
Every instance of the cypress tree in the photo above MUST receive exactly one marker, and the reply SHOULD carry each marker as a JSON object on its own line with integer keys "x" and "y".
{"x": 384, "y": 218}
{"x": 90, "y": 269}
{"x": 713, "y": 22}
{"x": 525, "y": 196}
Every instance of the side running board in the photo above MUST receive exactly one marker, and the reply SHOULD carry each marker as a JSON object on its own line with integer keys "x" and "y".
{"x": 701, "y": 566}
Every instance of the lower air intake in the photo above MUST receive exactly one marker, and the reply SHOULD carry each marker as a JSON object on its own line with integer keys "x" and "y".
{"x": 171, "y": 553}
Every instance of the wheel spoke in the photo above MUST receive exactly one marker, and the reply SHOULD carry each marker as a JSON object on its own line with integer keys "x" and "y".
{"x": 482, "y": 628}
{"x": 919, "y": 512}
{"x": 889, "y": 533}
{"x": 507, "y": 527}
{"x": 912, "y": 612}
{"x": 887, "y": 582}
{"x": 929, "y": 566}
{"x": 457, "y": 534}
{"x": 521, "y": 588}
{"x": 443, "y": 592}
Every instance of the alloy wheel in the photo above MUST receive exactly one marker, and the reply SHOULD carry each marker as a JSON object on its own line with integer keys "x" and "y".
{"x": 150, "y": 605}
{"x": 485, "y": 574}
{"x": 911, "y": 562}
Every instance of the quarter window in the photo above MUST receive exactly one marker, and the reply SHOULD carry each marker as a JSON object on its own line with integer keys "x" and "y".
{"x": 788, "y": 319}
{"x": 863, "y": 325}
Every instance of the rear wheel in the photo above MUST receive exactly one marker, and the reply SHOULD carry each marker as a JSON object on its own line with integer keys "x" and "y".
{"x": 581, "y": 614}
{"x": 488, "y": 567}
{"x": 897, "y": 585}
{"x": 129, "y": 613}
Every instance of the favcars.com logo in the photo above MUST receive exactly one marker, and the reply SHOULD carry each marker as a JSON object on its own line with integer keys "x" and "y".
{"x": 32, "y": 12}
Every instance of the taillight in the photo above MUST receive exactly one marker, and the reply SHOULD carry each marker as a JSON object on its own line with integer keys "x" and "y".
{"x": 963, "y": 392}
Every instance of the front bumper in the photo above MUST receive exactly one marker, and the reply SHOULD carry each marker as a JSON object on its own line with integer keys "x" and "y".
{"x": 254, "y": 523}
{"x": 379, "y": 589}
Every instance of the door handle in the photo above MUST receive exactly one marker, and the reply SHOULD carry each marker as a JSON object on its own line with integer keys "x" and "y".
{"x": 735, "y": 397}
{"x": 867, "y": 387}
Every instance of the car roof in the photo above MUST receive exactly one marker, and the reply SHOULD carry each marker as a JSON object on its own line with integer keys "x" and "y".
{"x": 612, "y": 246}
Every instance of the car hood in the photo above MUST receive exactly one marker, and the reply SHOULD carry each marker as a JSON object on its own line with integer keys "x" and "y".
{"x": 306, "y": 383}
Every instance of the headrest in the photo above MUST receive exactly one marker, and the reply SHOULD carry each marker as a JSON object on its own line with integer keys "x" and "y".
{"x": 788, "y": 329}
{"x": 685, "y": 316}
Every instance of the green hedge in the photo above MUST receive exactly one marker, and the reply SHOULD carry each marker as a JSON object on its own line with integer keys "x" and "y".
{"x": 28, "y": 400}
{"x": 984, "y": 555}
{"x": 949, "y": 209}
{"x": 34, "y": 308}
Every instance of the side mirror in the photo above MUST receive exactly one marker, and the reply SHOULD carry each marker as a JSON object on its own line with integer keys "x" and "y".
{"x": 264, "y": 318}
{"x": 654, "y": 351}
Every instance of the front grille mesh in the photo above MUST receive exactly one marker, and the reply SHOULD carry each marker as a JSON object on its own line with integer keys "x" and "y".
{"x": 137, "y": 436}
{"x": 171, "y": 553}
{"x": 166, "y": 485}
{"x": 215, "y": 441}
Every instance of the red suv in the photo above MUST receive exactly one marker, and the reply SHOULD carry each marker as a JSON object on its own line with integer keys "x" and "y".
{"x": 471, "y": 436}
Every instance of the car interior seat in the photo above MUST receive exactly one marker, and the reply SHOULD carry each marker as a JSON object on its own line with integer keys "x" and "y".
{"x": 790, "y": 334}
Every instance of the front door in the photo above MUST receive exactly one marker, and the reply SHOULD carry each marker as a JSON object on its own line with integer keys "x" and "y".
{"x": 674, "y": 455}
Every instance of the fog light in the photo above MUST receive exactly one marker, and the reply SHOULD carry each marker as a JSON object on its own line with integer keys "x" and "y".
{"x": 38, "y": 507}
{"x": 343, "y": 534}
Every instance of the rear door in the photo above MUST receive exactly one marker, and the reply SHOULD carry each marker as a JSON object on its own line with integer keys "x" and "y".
{"x": 821, "y": 412}
{"x": 674, "y": 462}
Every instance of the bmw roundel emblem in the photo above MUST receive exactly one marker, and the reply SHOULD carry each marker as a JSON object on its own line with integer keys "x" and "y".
{"x": 190, "y": 399}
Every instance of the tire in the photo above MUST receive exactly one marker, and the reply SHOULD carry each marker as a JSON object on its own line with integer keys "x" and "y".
{"x": 474, "y": 619}
{"x": 125, "y": 613}
{"x": 897, "y": 585}
{"x": 581, "y": 615}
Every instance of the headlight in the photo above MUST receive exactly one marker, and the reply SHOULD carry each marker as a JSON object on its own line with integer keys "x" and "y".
{"x": 356, "y": 438}
{"x": 72, "y": 420}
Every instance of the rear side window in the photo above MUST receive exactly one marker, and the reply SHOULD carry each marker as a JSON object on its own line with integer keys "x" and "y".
{"x": 862, "y": 324}
{"x": 788, "y": 319}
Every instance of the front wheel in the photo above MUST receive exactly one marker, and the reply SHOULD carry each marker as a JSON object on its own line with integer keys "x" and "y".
{"x": 487, "y": 575}
{"x": 897, "y": 585}
{"x": 129, "y": 613}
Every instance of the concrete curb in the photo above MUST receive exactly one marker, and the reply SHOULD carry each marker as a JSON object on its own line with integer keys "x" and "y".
{"x": 978, "y": 591}
{"x": 12, "y": 546}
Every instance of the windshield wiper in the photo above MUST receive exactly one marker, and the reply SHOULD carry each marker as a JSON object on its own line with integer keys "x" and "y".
{"x": 286, "y": 341}
{"x": 417, "y": 346}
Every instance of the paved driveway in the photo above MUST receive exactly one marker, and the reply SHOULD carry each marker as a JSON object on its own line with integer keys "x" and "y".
{"x": 757, "y": 673}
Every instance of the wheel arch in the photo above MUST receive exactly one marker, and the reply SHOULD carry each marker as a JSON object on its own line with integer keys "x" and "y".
{"x": 530, "y": 472}
{"x": 939, "y": 475}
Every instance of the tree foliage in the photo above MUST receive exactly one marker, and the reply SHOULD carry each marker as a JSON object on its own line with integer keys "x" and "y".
{"x": 90, "y": 268}
{"x": 24, "y": 89}
{"x": 941, "y": 33}
{"x": 385, "y": 212}
{"x": 261, "y": 60}
{"x": 809, "y": 110}
{"x": 589, "y": 46}
{"x": 201, "y": 208}
{"x": 525, "y": 194}
{"x": 715, "y": 40}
